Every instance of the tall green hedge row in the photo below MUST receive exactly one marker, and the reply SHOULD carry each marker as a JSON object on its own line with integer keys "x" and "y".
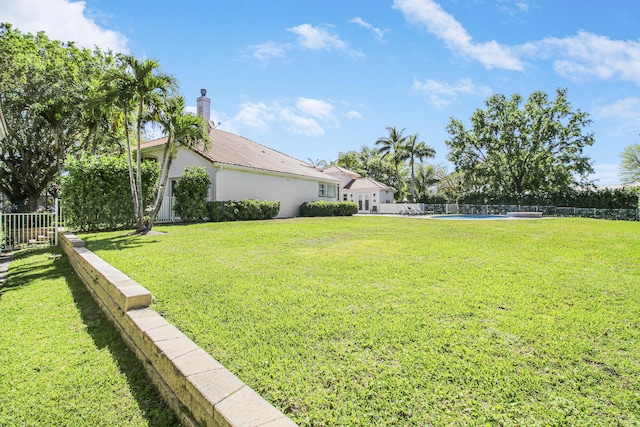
{"x": 322, "y": 208}
{"x": 242, "y": 210}
{"x": 605, "y": 198}
{"x": 96, "y": 193}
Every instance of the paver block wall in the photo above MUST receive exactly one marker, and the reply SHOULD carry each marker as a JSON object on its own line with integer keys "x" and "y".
{"x": 198, "y": 388}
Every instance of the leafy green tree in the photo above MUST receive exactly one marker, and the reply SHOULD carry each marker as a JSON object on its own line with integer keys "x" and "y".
{"x": 140, "y": 90}
{"x": 514, "y": 149}
{"x": 370, "y": 164}
{"x": 630, "y": 165}
{"x": 43, "y": 90}
{"x": 393, "y": 146}
{"x": 182, "y": 130}
{"x": 412, "y": 151}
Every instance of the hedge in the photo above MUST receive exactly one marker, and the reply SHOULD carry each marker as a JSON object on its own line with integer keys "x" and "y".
{"x": 243, "y": 210}
{"x": 605, "y": 198}
{"x": 322, "y": 208}
{"x": 96, "y": 193}
{"x": 191, "y": 192}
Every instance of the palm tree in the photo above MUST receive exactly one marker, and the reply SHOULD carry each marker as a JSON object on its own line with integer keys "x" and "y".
{"x": 393, "y": 145}
{"x": 139, "y": 89}
{"x": 426, "y": 177}
{"x": 183, "y": 130}
{"x": 416, "y": 150}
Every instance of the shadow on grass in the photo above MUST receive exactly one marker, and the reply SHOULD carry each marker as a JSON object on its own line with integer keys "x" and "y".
{"x": 26, "y": 274}
{"x": 103, "y": 333}
{"x": 102, "y": 242}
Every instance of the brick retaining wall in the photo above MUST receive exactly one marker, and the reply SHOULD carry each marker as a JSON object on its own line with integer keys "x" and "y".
{"x": 198, "y": 388}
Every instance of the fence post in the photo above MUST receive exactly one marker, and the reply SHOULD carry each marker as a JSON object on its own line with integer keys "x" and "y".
{"x": 55, "y": 221}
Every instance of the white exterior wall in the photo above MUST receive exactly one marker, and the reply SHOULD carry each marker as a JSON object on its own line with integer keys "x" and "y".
{"x": 180, "y": 162}
{"x": 231, "y": 183}
{"x": 234, "y": 184}
{"x": 381, "y": 197}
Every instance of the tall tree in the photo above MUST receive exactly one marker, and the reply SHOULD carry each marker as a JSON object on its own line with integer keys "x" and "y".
{"x": 426, "y": 178}
{"x": 140, "y": 90}
{"x": 43, "y": 90}
{"x": 532, "y": 149}
{"x": 630, "y": 165}
{"x": 416, "y": 150}
{"x": 182, "y": 130}
{"x": 393, "y": 145}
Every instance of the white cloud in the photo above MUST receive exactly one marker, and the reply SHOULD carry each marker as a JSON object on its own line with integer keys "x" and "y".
{"x": 583, "y": 56}
{"x": 315, "y": 107}
{"x": 61, "y": 20}
{"x": 441, "y": 93}
{"x": 255, "y": 115}
{"x": 379, "y": 32}
{"x": 316, "y": 38}
{"x": 267, "y": 51}
{"x": 587, "y": 55}
{"x": 606, "y": 175}
{"x": 624, "y": 112}
{"x": 297, "y": 123}
{"x": 429, "y": 14}
{"x": 306, "y": 116}
{"x": 513, "y": 7}
{"x": 353, "y": 115}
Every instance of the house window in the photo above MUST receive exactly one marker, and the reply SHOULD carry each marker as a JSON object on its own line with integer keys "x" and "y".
{"x": 344, "y": 197}
{"x": 331, "y": 191}
{"x": 322, "y": 190}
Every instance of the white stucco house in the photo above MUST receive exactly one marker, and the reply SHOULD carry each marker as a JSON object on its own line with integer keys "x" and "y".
{"x": 243, "y": 169}
{"x": 367, "y": 193}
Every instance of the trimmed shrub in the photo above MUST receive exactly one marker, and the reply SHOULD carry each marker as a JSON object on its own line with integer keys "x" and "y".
{"x": 605, "y": 198}
{"x": 96, "y": 193}
{"x": 243, "y": 210}
{"x": 191, "y": 192}
{"x": 322, "y": 208}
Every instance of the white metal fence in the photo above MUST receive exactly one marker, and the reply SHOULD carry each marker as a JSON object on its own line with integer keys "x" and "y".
{"x": 21, "y": 230}
{"x": 559, "y": 211}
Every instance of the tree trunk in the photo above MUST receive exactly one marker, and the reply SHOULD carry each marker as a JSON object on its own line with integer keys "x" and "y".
{"x": 162, "y": 185}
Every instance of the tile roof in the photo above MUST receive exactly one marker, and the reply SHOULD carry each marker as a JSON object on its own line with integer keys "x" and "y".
{"x": 335, "y": 169}
{"x": 366, "y": 183}
{"x": 230, "y": 149}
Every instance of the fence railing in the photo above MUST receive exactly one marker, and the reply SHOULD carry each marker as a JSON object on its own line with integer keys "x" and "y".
{"x": 560, "y": 211}
{"x": 21, "y": 230}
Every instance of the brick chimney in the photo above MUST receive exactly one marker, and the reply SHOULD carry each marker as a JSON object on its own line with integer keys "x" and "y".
{"x": 204, "y": 105}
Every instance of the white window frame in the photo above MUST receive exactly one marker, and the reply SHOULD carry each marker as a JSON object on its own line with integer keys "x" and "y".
{"x": 322, "y": 189}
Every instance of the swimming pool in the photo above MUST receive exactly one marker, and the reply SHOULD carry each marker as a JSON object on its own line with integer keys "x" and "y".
{"x": 510, "y": 215}
{"x": 469, "y": 216}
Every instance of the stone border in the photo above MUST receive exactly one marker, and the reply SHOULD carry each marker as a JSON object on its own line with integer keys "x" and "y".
{"x": 196, "y": 386}
{"x": 524, "y": 214}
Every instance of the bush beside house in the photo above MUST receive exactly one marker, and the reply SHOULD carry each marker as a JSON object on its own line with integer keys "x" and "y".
{"x": 322, "y": 208}
{"x": 191, "y": 193}
{"x": 243, "y": 210}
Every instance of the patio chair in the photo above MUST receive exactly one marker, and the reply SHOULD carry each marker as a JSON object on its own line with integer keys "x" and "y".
{"x": 415, "y": 211}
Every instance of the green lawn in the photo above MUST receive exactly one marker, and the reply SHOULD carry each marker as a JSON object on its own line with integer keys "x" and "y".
{"x": 61, "y": 362}
{"x": 408, "y": 321}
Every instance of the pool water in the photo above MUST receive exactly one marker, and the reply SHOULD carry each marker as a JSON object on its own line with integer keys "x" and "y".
{"x": 469, "y": 216}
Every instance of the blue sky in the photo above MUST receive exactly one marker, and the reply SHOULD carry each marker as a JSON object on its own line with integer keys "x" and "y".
{"x": 314, "y": 78}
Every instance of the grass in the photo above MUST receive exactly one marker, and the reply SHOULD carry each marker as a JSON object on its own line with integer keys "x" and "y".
{"x": 407, "y": 321}
{"x": 61, "y": 362}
